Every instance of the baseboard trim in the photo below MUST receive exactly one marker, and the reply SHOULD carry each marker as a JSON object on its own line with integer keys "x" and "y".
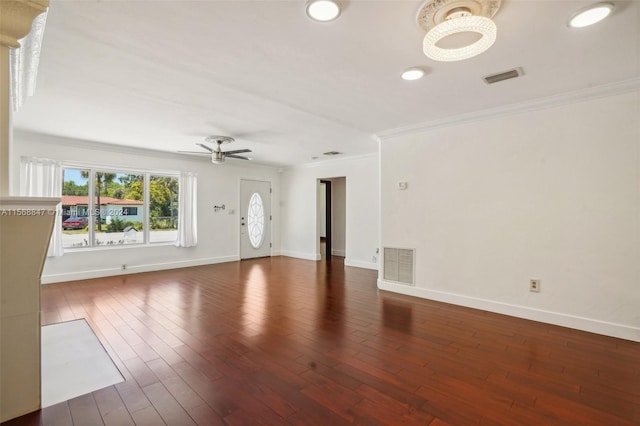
{"x": 133, "y": 269}
{"x": 301, "y": 255}
{"x": 360, "y": 264}
{"x": 337, "y": 253}
{"x": 557, "y": 318}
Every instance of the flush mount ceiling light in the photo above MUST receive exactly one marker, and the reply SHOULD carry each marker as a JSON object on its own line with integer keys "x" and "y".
{"x": 323, "y": 10}
{"x": 590, "y": 15}
{"x": 412, "y": 74}
{"x": 444, "y": 18}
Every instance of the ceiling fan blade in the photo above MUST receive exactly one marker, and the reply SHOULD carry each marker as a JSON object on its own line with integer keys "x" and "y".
{"x": 237, "y": 151}
{"x": 240, "y": 157}
{"x": 195, "y": 152}
{"x": 205, "y": 147}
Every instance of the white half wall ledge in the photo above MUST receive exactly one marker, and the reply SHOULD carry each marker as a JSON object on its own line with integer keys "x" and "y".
{"x": 301, "y": 255}
{"x": 591, "y": 325}
{"x": 360, "y": 264}
{"x": 134, "y": 269}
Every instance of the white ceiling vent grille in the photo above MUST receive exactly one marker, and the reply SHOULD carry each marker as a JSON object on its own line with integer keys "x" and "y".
{"x": 501, "y": 76}
{"x": 399, "y": 265}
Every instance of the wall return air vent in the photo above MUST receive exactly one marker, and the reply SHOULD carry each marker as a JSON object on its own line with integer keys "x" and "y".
{"x": 399, "y": 265}
{"x": 502, "y": 76}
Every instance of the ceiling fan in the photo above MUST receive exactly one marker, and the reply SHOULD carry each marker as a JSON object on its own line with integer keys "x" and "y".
{"x": 217, "y": 154}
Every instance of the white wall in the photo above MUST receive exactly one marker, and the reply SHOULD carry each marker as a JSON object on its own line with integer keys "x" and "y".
{"x": 300, "y": 200}
{"x": 218, "y": 235}
{"x": 551, "y": 194}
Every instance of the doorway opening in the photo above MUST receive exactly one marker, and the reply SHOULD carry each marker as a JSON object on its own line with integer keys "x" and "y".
{"x": 331, "y": 218}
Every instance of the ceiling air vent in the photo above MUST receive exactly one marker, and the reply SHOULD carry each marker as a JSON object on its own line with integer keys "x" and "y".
{"x": 501, "y": 76}
{"x": 331, "y": 153}
{"x": 398, "y": 265}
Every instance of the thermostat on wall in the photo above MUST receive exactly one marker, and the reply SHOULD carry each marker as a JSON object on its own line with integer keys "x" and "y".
{"x": 402, "y": 186}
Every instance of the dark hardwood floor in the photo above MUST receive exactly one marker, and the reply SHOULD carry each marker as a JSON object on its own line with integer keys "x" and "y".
{"x": 287, "y": 341}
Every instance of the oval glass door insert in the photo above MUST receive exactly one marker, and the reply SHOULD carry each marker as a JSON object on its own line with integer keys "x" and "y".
{"x": 255, "y": 220}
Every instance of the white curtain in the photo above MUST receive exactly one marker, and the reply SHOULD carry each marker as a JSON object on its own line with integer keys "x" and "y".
{"x": 41, "y": 177}
{"x": 187, "y": 214}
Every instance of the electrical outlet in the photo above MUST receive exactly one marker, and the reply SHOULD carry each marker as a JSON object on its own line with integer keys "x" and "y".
{"x": 124, "y": 266}
{"x": 534, "y": 286}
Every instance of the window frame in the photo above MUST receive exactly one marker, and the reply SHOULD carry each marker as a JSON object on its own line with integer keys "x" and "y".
{"x": 146, "y": 220}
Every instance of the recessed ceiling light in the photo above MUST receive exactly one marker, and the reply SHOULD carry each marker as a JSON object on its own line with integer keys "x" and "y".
{"x": 323, "y": 10}
{"x": 412, "y": 74}
{"x": 591, "y": 15}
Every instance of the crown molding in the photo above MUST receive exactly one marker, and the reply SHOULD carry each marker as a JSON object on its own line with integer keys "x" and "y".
{"x": 617, "y": 88}
{"x": 93, "y": 145}
{"x": 339, "y": 160}
{"x": 332, "y": 161}
{"x": 70, "y": 142}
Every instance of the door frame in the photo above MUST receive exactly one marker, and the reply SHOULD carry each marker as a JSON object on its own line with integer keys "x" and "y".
{"x": 328, "y": 217}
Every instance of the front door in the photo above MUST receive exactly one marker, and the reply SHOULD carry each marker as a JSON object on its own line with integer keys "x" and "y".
{"x": 255, "y": 219}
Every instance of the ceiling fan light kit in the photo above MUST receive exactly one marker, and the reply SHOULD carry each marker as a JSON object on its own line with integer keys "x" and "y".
{"x": 444, "y": 18}
{"x": 218, "y": 156}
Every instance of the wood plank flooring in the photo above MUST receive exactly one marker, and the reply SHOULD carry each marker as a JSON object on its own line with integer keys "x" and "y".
{"x": 285, "y": 341}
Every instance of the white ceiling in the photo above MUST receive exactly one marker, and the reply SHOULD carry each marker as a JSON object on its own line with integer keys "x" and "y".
{"x": 164, "y": 74}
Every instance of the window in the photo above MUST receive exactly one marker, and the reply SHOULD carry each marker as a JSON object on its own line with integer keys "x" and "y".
{"x": 75, "y": 208}
{"x": 115, "y": 192}
{"x": 163, "y": 208}
{"x": 127, "y": 208}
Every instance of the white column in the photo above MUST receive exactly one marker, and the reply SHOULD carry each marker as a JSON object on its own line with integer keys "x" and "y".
{"x": 21, "y": 238}
{"x": 16, "y": 17}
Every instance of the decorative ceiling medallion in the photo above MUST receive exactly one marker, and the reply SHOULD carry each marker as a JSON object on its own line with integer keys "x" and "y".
{"x": 434, "y": 12}
{"x": 219, "y": 139}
